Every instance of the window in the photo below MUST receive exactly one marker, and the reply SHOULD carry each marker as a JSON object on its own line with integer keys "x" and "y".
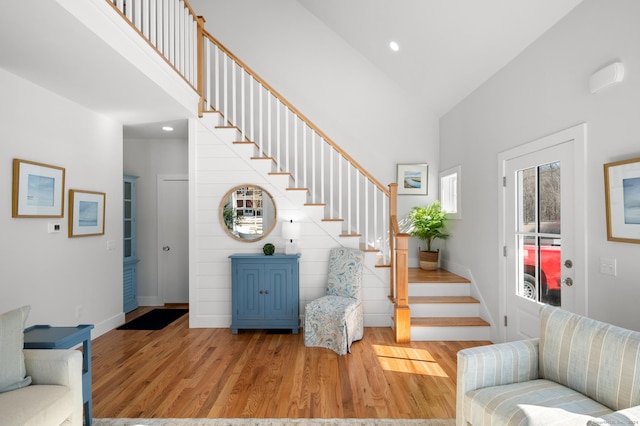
{"x": 450, "y": 181}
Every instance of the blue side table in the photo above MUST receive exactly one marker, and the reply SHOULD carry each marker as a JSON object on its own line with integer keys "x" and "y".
{"x": 48, "y": 337}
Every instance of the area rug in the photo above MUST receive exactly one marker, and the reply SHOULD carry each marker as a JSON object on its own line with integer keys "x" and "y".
{"x": 274, "y": 422}
{"x": 156, "y": 319}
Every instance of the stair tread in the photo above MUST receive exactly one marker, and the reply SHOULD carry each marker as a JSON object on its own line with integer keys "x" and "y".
{"x": 449, "y": 322}
{"x": 442, "y": 299}
{"x": 417, "y": 275}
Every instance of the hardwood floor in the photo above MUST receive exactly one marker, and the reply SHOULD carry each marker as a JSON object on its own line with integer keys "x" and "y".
{"x": 182, "y": 372}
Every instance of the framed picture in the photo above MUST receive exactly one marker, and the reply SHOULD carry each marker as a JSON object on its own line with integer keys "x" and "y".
{"x": 412, "y": 179}
{"x": 38, "y": 190}
{"x": 622, "y": 194}
{"x": 86, "y": 213}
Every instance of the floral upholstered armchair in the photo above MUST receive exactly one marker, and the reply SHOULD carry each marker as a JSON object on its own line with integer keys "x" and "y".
{"x": 336, "y": 320}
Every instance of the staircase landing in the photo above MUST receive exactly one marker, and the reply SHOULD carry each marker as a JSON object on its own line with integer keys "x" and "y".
{"x": 417, "y": 275}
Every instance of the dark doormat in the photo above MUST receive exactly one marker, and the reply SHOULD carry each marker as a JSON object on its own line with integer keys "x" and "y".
{"x": 154, "y": 320}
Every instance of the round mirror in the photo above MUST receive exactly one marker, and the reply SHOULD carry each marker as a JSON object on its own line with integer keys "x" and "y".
{"x": 248, "y": 213}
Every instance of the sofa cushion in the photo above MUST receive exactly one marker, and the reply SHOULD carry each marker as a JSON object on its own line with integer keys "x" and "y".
{"x": 36, "y": 405}
{"x": 597, "y": 359}
{"x": 12, "y": 369}
{"x": 534, "y": 402}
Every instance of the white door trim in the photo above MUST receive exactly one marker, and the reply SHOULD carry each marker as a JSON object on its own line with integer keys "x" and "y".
{"x": 161, "y": 178}
{"x": 579, "y": 135}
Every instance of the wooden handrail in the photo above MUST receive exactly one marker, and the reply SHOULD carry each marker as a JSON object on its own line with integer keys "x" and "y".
{"x": 297, "y": 112}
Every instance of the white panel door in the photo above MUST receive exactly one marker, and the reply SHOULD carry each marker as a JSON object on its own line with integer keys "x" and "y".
{"x": 173, "y": 238}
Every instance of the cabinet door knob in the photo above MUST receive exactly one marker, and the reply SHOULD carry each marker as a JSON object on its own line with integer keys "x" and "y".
{"x": 261, "y": 292}
{"x": 266, "y": 292}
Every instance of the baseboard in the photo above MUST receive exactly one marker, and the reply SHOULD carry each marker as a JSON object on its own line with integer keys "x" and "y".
{"x": 107, "y": 325}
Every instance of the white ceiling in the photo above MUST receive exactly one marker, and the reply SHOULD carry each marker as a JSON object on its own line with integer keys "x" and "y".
{"x": 447, "y": 47}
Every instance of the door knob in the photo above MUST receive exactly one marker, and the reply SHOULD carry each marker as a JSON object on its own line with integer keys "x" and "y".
{"x": 166, "y": 248}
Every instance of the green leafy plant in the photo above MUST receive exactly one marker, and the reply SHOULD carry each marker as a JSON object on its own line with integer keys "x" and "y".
{"x": 229, "y": 216}
{"x": 268, "y": 249}
{"x": 427, "y": 223}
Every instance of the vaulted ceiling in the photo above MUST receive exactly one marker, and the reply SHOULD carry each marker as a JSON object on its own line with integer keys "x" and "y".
{"x": 447, "y": 48}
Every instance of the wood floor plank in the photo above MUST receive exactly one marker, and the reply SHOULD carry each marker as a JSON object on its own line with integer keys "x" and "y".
{"x": 190, "y": 373}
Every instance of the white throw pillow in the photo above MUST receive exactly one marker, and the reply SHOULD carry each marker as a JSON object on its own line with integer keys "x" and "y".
{"x": 12, "y": 369}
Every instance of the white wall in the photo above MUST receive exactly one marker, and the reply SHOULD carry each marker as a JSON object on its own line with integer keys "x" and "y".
{"x": 543, "y": 91}
{"x": 373, "y": 119}
{"x": 215, "y": 168}
{"x": 147, "y": 158}
{"x": 51, "y": 272}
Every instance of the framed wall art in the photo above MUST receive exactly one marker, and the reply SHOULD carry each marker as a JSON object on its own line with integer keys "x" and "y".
{"x": 86, "y": 213}
{"x": 412, "y": 179}
{"x": 38, "y": 190}
{"x": 622, "y": 196}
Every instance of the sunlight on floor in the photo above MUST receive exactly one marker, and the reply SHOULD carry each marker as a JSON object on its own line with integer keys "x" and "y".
{"x": 408, "y": 360}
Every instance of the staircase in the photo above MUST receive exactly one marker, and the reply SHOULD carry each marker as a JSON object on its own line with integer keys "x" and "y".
{"x": 308, "y": 169}
{"x": 442, "y": 308}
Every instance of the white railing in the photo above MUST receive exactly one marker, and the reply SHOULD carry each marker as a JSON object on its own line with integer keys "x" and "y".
{"x": 297, "y": 146}
{"x": 171, "y": 27}
{"x": 263, "y": 116}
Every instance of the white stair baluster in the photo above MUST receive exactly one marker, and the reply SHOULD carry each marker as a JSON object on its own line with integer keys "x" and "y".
{"x": 242, "y": 121}
{"x": 272, "y": 102}
{"x": 234, "y": 100}
{"x": 322, "y": 145}
{"x": 207, "y": 74}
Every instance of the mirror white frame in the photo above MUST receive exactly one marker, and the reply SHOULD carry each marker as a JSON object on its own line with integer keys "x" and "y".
{"x": 248, "y": 213}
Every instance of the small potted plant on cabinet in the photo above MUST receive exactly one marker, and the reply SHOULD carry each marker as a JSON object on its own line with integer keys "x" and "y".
{"x": 427, "y": 223}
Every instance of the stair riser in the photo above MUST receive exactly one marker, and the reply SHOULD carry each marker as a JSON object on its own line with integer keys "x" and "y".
{"x": 262, "y": 166}
{"x": 299, "y": 197}
{"x": 315, "y": 212}
{"x": 445, "y": 310}
{"x": 450, "y": 333}
{"x": 242, "y": 149}
{"x": 351, "y": 242}
{"x": 230, "y": 135}
{"x": 212, "y": 120}
{"x": 439, "y": 289}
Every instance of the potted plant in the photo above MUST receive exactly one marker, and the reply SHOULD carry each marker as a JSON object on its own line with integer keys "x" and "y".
{"x": 427, "y": 223}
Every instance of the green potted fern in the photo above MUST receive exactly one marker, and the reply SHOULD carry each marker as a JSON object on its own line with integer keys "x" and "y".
{"x": 427, "y": 224}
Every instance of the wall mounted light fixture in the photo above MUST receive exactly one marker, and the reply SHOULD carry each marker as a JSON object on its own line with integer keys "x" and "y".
{"x": 290, "y": 231}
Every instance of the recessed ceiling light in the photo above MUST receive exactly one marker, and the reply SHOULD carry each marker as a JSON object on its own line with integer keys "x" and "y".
{"x": 394, "y": 46}
{"x": 167, "y": 128}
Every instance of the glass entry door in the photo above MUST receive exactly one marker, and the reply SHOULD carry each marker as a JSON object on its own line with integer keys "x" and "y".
{"x": 539, "y": 236}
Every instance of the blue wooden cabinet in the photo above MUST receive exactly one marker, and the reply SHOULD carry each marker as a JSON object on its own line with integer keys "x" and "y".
{"x": 265, "y": 292}
{"x": 130, "y": 256}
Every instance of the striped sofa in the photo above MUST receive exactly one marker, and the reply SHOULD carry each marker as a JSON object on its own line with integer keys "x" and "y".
{"x": 579, "y": 372}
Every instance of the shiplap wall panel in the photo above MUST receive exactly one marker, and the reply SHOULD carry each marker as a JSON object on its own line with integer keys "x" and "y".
{"x": 220, "y": 167}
